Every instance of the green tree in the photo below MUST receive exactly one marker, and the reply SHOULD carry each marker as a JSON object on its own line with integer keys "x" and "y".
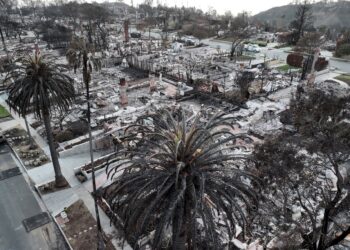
{"x": 343, "y": 45}
{"x": 38, "y": 85}
{"x": 179, "y": 178}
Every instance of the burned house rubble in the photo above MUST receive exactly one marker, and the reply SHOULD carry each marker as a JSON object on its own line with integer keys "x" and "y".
{"x": 129, "y": 72}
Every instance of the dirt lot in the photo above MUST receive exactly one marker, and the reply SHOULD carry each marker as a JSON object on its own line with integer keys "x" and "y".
{"x": 81, "y": 229}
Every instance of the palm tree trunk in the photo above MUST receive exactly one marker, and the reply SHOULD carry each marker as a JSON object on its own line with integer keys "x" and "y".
{"x": 28, "y": 131}
{"x": 3, "y": 42}
{"x": 100, "y": 243}
{"x": 60, "y": 181}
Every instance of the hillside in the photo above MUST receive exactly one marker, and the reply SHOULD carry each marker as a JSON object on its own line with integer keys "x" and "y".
{"x": 330, "y": 15}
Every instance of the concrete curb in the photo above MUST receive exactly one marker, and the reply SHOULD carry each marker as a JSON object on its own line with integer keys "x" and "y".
{"x": 339, "y": 59}
{"x": 220, "y": 41}
{"x": 51, "y": 214}
{"x": 38, "y": 193}
{"x": 84, "y": 172}
{"x": 63, "y": 234}
{"x": 41, "y": 184}
{"x": 20, "y": 161}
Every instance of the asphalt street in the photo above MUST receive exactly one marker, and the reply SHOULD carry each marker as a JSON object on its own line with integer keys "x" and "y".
{"x": 17, "y": 202}
{"x": 281, "y": 54}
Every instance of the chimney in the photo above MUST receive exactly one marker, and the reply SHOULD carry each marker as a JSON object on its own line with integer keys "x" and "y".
{"x": 126, "y": 31}
{"x": 152, "y": 84}
{"x": 123, "y": 97}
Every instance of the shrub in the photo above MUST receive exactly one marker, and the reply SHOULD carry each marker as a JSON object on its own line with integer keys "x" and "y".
{"x": 78, "y": 128}
{"x": 343, "y": 50}
{"x": 321, "y": 64}
{"x": 63, "y": 136}
{"x": 295, "y": 60}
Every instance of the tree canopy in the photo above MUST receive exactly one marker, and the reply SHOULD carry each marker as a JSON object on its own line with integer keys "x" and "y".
{"x": 180, "y": 184}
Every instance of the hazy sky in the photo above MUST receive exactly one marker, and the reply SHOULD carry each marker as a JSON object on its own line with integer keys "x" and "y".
{"x": 235, "y": 6}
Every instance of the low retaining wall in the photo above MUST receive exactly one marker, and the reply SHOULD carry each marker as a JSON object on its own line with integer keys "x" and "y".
{"x": 78, "y": 149}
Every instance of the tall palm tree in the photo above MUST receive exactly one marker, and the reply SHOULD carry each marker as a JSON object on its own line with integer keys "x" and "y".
{"x": 80, "y": 54}
{"x": 30, "y": 138}
{"x": 75, "y": 55}
{"x": 3, "y": 7}
{"x": 3, "y": 41}
{"x": 39, "y": 86}
{"x": 179, "y": 184}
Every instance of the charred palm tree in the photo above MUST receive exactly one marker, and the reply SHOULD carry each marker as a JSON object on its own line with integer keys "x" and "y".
{"x": 3, "y": 5}
{"x": 80, "y": 54}
{"x": 75, "y": 54}
{"x": 38, "y": 85}
{"x": 179, "y": 184}
{"x": 3, "y": 41}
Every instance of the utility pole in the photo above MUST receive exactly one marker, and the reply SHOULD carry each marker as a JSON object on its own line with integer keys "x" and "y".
{"x": 86, "y": 73}
{"x": 305, "y": 67}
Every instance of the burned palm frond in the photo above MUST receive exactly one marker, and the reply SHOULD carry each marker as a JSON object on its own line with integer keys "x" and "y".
{"x": 181, "y": 182}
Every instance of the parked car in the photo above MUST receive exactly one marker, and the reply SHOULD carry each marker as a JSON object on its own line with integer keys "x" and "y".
{"x": 252, "y": 48}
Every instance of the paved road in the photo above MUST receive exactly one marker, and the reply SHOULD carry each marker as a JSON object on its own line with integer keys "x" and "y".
{"x": 339, "y": 65}
{"x": 281, "y": 54}
{"x": 17, "y": 202}
{"x": 6, "y": 158}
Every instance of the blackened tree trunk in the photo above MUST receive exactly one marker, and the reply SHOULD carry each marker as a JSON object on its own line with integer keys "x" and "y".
{"x": 3, "y": 41}
{"x": 60, "y": 181}
{"x": 179, "y": 232}
{"x": 90, "y": 32}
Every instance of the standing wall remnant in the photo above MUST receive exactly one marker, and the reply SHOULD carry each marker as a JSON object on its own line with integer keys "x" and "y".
{"x": 123, "y": 92}
{"x": 126, "y": 31}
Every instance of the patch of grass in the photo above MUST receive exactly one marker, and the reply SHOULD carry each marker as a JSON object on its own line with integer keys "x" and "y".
{"x": 224, "y": 39}
{"x": 283, "y": 45}
{"x": 260, "y": 43}
{"x": 344, "y": 78}
{"x": 230, "y": 39}
{"x": 3, "y": 112}
{"x": 257, "y": 42}
{"x": 286, "y": 68}
{"x": 245, "y": 58}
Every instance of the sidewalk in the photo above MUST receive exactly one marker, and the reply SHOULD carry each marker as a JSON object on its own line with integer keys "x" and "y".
{"x": 57, "y": 201}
